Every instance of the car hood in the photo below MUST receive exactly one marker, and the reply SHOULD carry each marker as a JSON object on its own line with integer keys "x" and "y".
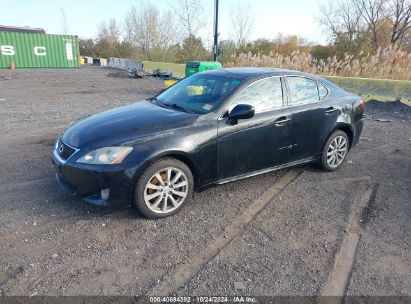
{"x": 124, "y": 124}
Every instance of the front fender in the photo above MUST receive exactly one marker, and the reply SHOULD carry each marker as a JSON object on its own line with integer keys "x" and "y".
{"x": 195, "y": 147}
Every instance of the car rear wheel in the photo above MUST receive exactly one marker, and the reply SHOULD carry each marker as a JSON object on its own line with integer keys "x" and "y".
{"x": 335, "y": 151}
{"x": 163, "y": 188}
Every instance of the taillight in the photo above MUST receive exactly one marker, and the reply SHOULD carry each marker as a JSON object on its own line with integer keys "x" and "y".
{"x": 362, "y": 104}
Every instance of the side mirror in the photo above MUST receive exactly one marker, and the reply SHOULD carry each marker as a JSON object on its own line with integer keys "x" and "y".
{"x": 241, "y": 111}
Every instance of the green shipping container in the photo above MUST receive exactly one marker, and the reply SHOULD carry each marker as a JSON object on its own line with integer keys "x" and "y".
{"x": 38, "y": 50}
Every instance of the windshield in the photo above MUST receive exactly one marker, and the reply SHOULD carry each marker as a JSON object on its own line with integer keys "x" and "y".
{"x": 200, "y": 93}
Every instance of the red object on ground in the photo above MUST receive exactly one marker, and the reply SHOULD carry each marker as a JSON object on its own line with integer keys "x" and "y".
{"x": 12, "y": 66}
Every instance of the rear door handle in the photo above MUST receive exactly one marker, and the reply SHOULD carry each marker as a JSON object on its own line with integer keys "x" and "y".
{"x": 282, "y": 121}
{"x": 330, "y": 110}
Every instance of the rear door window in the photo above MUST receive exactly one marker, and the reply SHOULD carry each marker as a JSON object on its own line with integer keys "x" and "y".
{"x": 302, "y": 90}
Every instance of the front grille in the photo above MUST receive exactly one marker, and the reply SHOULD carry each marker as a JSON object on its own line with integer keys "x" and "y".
{"x": 64, "y": 150}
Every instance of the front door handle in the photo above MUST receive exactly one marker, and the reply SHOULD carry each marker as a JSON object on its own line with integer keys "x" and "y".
{"x": 282, "y": 121}
{"x": 330, "y": 110}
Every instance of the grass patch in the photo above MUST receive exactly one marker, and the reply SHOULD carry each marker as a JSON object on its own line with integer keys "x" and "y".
{"x": 378, "y": 89}
{"x": 367, "y": 88}
{"x": 178, "y": 70}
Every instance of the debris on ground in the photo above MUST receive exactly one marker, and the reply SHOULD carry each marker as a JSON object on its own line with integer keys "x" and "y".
{"x": 137, "y": 73}
{"x": 382, "y": 120}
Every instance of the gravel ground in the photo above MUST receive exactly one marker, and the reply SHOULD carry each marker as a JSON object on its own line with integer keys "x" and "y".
{"x": 383, "y": 262}
{"x": 53, "y": 244}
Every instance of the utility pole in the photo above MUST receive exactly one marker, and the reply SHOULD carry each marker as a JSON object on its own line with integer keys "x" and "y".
{"x": 215, "y": 47}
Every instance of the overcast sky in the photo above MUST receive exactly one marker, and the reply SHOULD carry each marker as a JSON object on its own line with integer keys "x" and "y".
{"x": 290, "y": 17}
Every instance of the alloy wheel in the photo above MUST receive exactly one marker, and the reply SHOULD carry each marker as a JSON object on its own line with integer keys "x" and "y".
{"x": 336, "y": 152}
{"x": 166, "y": 190}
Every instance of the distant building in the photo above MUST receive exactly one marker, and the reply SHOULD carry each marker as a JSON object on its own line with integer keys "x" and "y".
{"x": 25, "y": 29}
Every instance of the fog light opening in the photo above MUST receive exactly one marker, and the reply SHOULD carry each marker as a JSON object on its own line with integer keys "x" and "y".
{"x": 105, "y": 194}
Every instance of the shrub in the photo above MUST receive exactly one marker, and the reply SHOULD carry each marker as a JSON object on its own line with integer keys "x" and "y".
{"x": 388, "y": 63}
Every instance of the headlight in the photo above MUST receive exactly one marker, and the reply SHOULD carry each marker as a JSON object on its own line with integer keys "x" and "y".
{"x": 106, "y": 156}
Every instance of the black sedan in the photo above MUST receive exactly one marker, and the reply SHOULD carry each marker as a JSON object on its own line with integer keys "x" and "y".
{"x": 210, "y": 128}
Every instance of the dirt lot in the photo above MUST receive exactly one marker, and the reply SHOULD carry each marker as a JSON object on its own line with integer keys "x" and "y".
{"x": 220, "y": 244}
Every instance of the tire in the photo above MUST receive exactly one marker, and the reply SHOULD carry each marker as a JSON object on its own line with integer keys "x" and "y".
{"x": 337, "y": 145}
{"x": 163, "y": 188}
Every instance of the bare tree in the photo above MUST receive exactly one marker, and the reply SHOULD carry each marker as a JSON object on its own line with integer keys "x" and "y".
{"x": 339, "y": 17}
{"x": 400, "y": 13}
{"x": 109, "y": 31}
{"x": 382, "y": 22}
{"x": 373, "y": 12}
{"x": 108, "y": 39}
{"x": 148, "y": 28}
{"x": 242, "y": 21}
{"x": 190, "y": 15}
{"x": 63, "y": 21}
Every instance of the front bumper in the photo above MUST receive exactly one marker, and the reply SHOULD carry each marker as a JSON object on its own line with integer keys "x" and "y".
{"x": 96, "y": 186}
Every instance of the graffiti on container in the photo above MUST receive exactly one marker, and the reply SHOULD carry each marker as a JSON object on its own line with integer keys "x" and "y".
{"x": 8, "y": 50}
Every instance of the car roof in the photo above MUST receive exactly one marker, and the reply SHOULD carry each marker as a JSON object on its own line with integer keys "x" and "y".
{"x": 248, "y": 73}
{"x": 251, "y": 72}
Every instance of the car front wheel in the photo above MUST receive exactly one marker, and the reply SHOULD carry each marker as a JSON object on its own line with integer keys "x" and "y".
{"x": 335, "y": 151}
{"x": 164, "y": 187}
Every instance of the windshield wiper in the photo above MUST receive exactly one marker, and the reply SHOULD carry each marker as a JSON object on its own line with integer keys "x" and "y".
{"x": 153, "y": 99}
{"x": 179, "y": 107}
{"x": 158, "y": 102}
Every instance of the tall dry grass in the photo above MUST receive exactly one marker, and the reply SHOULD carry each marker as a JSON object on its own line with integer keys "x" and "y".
{"x": 387, "y": 63}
